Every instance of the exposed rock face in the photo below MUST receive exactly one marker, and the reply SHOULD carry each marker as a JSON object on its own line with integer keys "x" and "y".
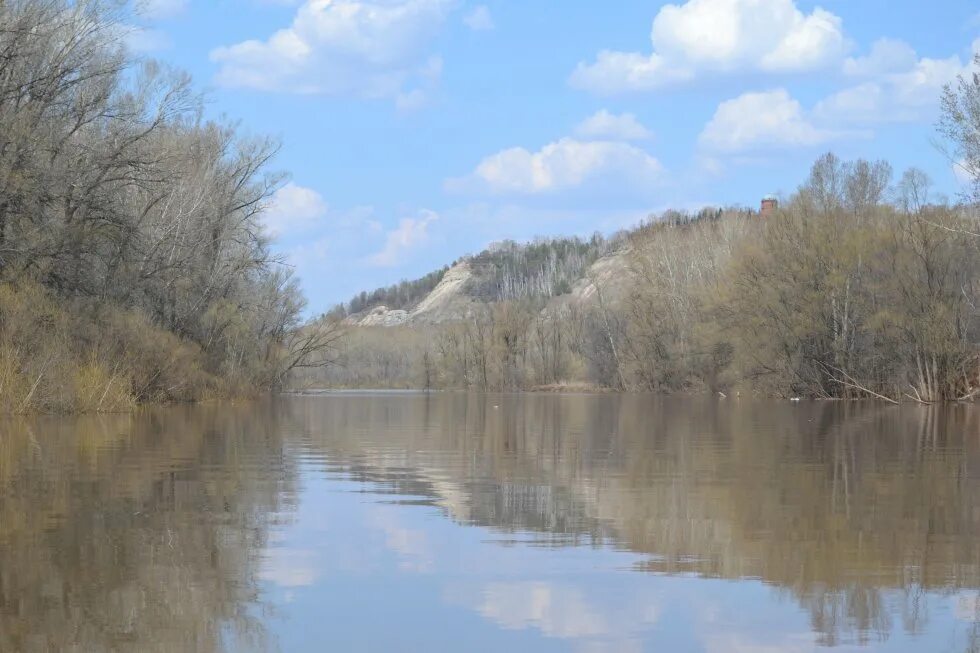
{"x": 449, "y": 301}
{"x": 610, "y": 273}
{"x": 381, "y": 316}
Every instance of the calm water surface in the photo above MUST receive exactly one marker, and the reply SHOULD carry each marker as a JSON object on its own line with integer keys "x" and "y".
{"x": 450, "y": 522}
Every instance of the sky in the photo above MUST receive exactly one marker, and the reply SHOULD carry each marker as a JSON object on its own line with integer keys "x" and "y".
{"x": 418, "y": 131}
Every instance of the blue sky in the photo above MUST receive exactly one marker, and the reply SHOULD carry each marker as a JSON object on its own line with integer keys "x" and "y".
{"x": 417, "y": 131}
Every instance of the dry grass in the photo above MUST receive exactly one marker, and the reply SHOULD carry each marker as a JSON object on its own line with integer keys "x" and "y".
{"x": 61, "y": 357}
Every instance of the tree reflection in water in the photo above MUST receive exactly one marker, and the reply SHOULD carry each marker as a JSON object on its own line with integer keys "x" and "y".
{"x": 137, "y": 532}
{"x": 148, "y": 532}
{"x": 842, "y": 506}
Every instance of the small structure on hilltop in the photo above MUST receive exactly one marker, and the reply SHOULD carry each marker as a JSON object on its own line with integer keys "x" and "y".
{"x": 769, "y": 206}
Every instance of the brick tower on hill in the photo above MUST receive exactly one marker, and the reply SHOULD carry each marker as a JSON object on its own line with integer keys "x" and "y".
{"x": 769, "y": 206}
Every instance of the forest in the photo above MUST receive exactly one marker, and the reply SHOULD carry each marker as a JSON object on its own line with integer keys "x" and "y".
{"x": 134, "y": 265}
{"x": 133, "y": 262}
{"x": 858, "y": 286}
{"x": 863, "y": 284}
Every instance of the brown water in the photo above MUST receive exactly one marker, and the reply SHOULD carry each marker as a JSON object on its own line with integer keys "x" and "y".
{"x": 406, "y": 522}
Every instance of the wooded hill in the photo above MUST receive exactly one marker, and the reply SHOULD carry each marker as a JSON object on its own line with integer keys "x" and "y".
{"x": 507, "y": 271}
{"x": 859, "y": 285}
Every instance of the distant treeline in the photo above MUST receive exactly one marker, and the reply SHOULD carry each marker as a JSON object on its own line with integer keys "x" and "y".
{"x": 133, "y": 266}
{"x": 858, "y": 286}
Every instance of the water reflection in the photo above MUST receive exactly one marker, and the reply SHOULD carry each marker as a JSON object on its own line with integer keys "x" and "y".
{"x": 137, "y": 532}
{"x": 467, "y": 521}
{"x": 853, "y": 510}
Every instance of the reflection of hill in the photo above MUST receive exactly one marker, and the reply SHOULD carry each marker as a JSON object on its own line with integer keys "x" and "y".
{"x": 830, "y": 502}
{"x": 136, "y": 532}
{"x": 142, "y": 532}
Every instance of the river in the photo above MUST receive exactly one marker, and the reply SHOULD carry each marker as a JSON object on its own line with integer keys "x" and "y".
{"x": 463, "y": 522}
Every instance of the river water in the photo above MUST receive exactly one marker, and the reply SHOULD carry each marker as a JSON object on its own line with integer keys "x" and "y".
{"x": 454, "y": 522}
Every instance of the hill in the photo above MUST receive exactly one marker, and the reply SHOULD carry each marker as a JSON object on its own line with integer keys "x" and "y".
{"x": 542, "y": 270}
{"x": 505, "y": 271}
{"x": 853, "y": 287}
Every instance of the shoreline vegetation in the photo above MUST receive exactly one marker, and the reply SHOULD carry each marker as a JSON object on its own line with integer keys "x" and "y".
{"x": 860, "y": 285}
{"x": 857, "y": 287}
{"x": 133, "y": 264}
{"x": 135, "y": 268}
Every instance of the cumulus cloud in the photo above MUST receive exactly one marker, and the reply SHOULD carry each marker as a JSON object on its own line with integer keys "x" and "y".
{"x": 362, "y": 48}
{"x": 900, "y": 87}
{"x": 886, "y": 56}
{"x": 604, "y": 125}
{"x": 479, "y": 20}
{"x": 560, "y": 166}
{"x": 293, "y": 209}
{"x": 719, "y": 35}
{"x": 410, "y": 234}
{"x": 617, "y": 72}
{"x": 761, "y": 121}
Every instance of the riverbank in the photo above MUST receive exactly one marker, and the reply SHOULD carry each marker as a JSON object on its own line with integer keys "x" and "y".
{"x": 135, "y": 264}
{"x": 77, "y": 356}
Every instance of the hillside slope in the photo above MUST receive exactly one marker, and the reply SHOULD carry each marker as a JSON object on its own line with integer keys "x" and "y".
{"x": 558, "y": 271}
{"x": 447, "y": 302}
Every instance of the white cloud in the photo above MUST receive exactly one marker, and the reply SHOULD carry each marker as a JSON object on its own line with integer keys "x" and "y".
{"x": 901, "y": 87}
{"x": 410, "y": 234}
{"x": 719, "y": 35}
{"x": 760, "y": 121}
{"x": 293, "y": 209}
{"x": 560, "y": 166}
{"x": 923, "y": 84}
{"x": 886, "y": 56}
{"x": 479, "y": 19}
{"x": 606, "y": 125}
{"x": 617, "y": 72}
{"x": 158, "y": 9}
{"x": 362, "y": 48}
{"x": 865, "y": 101}
{"x": 809, "y": 42}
